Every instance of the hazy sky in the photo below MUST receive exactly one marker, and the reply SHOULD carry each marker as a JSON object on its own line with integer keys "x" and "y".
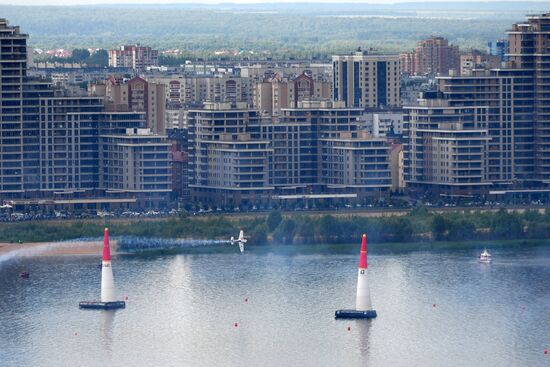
{"x": 80, "y": 2}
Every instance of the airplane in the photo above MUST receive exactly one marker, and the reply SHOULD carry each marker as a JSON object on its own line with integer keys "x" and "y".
{"x": 241, "y": 240}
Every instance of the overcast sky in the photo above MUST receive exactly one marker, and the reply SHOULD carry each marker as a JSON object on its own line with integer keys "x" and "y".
{"x": 87, "y": 2}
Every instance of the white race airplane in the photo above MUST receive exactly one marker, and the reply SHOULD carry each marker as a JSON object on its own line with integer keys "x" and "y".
{"x": 241, "y": 240}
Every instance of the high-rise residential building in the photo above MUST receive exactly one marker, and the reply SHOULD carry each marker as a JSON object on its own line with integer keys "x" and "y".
{"x": 478, "y": 60}
{"x": 193, "y": 91}
{"x": 136, "y": 95}
{"x": 51, "y": 139}
{"x": 322, "y": 148}
{"x": 180, "y": 165}
{"x": 508, "y": 94}
{"x": 432, "y": 56}
{"x": 435, "y": 56}
{"x": 366, "y": 80}
{"x": 498, "y": 48}
{"x": 133, "y": 57}
{"x": 407, "y": 63}
{"x": 529, "y": 52}
{"x": 19, "y": 120}
{"x": 137, "y": 162}
{"x": 261, "y": 72}
{"x": 445, "y": 148}
{"x": 397, "y": 168}
{"x": 518, "y": 109}
{"x": 316, "y": 150}
{"x": 85, "y": 149}
{"x": 228, "y": 158}
{"x": 278, "y": 92}
{"x": 355, "y": 163}
{"x": 385, "y": 123}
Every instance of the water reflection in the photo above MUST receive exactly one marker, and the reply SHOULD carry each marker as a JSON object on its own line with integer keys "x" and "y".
{"x": 184, "y": 308}
{"x": 363, "y": 327}
{"x": 107, "y": 331}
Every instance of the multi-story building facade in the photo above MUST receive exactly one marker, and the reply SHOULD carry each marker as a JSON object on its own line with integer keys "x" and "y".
{"x": 260, "y": 72}
{"x": 134, "y": 57}
{"x": 322, "y": 148}
{"x": 366, "y": 80}
{"x": 518, "y": 112}
{"x": 529, "y": 52}
{"x": 19, "y": 120}
{"x": 137, "y": 162}
{"x": 277, "y": 93}
{"x": 445, "y": 148}
{"x": 385, "y": 123}
{"x": 191, "y": 91}
{"x": 228, "y": 158}
{"x": 498, "y": 48}
{"x": 508, "y": 95}
{"x": 478, "y": 60}
{"x": 180, "y": 165}
{"x": 432, "y": 56}
{"x": 356, "y": 163}
{"x": 50, "y": 139}
{"x": 136, "y": 95}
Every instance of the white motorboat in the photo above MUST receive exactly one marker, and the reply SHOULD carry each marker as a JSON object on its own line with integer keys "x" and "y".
{"x": 485, "y": 257}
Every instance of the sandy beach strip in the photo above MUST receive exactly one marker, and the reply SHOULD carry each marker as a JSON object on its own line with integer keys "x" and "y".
{"x": 64, "y": 248}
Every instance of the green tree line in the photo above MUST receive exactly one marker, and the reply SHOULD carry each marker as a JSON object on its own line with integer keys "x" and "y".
{"x": 295, "y": 229}
{"x": 304, "y": 30}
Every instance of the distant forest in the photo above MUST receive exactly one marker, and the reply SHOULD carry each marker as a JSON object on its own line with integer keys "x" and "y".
{"x": 269, "y": 30}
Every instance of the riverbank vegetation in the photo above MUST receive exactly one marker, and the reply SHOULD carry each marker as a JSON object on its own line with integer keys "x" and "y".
{"x": 419, "y": 225}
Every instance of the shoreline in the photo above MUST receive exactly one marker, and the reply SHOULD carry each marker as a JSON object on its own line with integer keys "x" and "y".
{"x": 95, "y": 247}
{"x": 55, "y": 248}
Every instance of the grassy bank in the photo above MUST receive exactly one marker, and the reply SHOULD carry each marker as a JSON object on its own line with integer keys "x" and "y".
{"x": 420, "y": 225}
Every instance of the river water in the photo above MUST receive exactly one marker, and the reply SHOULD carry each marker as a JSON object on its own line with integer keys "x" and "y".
{"x": 275, "y": 307}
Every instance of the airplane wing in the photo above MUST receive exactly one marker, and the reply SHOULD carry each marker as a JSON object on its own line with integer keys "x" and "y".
{"x": 241, "y": 246}
{"x": 241, "y": 235}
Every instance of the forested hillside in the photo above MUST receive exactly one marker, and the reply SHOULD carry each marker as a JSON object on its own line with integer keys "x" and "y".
{"x": 273, "y": 30}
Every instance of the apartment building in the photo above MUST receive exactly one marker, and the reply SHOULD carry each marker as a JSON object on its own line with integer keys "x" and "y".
{"x": 279, "y": 92}
{"x": 261, "y": 72}
{"x": 366, "y": 80}
{"x": 433, "y": 56}
{"x": 385, "y": 123}
{"x": 137, "y": 162}
{"x": 529, "y": 52}
{"x": 313, "y": 139}
{"x": 51, "y": 139}
{"x": 478, "y": 60}
{"x": 19, "y": 120}
{"x": 446, "y": 149}
{"x": 191, "y": 91}
{"x": 508, "y": 95}
{"x": 135, "y": 57}
{"x": 498, "y": 48}
{"x": 135, "y": 95}
{"x": 356, "y": 163}
{"x": 228, "y": 158}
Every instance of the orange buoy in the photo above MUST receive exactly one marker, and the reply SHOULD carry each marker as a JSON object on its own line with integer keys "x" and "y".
{"x": 545, "y": 351}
